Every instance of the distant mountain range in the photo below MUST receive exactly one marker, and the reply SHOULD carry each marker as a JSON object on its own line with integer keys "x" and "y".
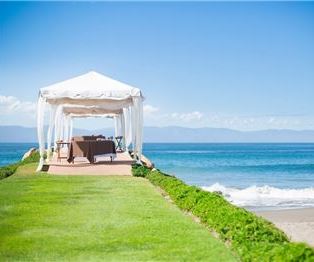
{"x": 174, "y": 134}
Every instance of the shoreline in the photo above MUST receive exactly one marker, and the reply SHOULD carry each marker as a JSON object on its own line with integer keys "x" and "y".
{"x": 298, "y": 223}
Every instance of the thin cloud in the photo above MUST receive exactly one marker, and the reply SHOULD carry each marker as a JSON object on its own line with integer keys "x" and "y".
{"x": 149, "y": 109}
{"x": 187, "y": 117}
{"x": 14, "y": 111}
{"x": 245, "y": 123}
{"x": 12, "y": 105}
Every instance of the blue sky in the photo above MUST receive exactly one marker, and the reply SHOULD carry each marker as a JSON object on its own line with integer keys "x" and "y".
{"x": 243, "y": 65}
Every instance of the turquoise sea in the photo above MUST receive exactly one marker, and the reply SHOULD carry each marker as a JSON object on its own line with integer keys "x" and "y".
{"x": 256, "y": 176}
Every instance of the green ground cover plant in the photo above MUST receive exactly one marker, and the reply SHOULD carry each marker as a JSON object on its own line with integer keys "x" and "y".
{"x": 9, "y": 170}
{"x": 252, "y": 237}
{"x": 96, "y": 218}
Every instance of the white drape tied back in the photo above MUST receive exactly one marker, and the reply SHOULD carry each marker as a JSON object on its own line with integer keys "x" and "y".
{"x": 90, "y": 95}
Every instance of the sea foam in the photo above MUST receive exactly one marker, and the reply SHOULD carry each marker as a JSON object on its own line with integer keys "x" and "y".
{"x": 265, "y": 197}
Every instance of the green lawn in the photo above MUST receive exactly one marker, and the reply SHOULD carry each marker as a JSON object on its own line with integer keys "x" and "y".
{"x": 79, "y": 218}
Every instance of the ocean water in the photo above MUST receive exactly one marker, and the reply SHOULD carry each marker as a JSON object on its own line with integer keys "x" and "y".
{"x": 13, "y": 152}
{"x": 254, "y": 176}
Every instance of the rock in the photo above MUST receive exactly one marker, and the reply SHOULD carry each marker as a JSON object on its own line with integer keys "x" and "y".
{"x": 147, "y": 162}
{"x": 29, "y": 153}
{"x": 218, "y": 192}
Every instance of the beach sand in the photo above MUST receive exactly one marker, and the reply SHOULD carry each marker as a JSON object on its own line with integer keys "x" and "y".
{"x": 298, "y": 224}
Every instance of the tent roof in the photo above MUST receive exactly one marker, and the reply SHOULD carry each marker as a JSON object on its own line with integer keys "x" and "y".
{"x": 90, "y": 110}
{"x": 92, "y": 87}
{"x": 93, "y": 115}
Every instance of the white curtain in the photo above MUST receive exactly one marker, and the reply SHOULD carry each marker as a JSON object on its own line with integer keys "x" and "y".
{"x": 129, "y": 124}
{"x": 133, "y": 128}
{"x": 53, "y": 109}
{"x": 40, "y": 130}
{"x": 140, "y": 128}
{"x": 57, "y": 126}
{"x": 71, "y": 127}
{"x": 128, "y": 127}
{"x": 122, "y": 123}
{"x": 67, "y": 129}
{"x": 137, "y": 123}
{"x": 62, "y": 126}
{"x": 116, "y": 127}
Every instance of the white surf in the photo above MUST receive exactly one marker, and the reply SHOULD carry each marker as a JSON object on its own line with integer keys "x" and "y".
{"x": 266, "y": 197}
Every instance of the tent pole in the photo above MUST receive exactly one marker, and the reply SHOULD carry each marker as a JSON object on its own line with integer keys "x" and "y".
{"x": 133, "y": 127}
{"x": 71, "y": 128}
{"x": 138, "y": 122}
{"x": 40, "y": 131}
{"x": 127, "y": 125}
{"x": 51, "y": 126}
{"x": 140, "y": 129}
{"x": 115, "y": 126}
{"x": 57, "y": 126}
{"x": 123, "y": 131}
{"x": 66, "y": 128}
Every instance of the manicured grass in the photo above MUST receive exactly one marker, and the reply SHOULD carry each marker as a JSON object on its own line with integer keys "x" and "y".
{"x": 79, "y": 218}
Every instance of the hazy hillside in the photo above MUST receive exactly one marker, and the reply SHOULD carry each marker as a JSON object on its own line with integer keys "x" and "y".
{"x": 177, "y": 134}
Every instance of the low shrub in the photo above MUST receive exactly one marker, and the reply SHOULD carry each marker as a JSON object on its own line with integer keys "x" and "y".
{"x": 9, "y": 170}
{"x": 252, "y": 237}
{"x": 139, "y": 170}
{"x": 33, "y": 158}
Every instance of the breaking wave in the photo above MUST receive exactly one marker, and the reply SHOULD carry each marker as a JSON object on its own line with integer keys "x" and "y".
{"x": 266, "y": 197}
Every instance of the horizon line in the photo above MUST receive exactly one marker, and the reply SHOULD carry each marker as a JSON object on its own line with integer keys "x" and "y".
{"x": 205, "y": 127}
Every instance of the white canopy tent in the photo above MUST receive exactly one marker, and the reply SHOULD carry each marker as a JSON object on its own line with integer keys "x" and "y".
{"x": 91, "y": 94}
{"x": 69, "y": 112}
{"x": 66, "y": 113}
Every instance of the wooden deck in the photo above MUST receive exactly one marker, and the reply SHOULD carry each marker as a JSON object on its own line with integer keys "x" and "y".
{"x": 121, "y": 166}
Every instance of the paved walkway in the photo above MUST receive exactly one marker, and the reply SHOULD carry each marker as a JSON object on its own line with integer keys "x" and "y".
{"x": 103, "y": 167}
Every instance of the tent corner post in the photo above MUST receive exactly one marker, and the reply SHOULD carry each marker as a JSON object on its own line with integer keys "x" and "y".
{"x": 40, "y": 165}
{"x": 40, "y": 131}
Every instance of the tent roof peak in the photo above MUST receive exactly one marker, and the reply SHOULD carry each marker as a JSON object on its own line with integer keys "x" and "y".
{"x": 89, "y": 86}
